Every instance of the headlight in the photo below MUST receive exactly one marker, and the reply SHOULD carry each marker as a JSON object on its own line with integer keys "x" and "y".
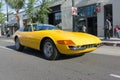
{"x": 66, "y": 42}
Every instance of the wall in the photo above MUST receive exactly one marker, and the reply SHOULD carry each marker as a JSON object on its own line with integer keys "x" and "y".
{"x": 100, "y": 21}
{"x": 67, "y": 23}
{"x": 116, "y": 12}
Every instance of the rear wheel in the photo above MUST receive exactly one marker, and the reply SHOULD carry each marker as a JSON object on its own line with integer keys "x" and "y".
{"x": 49, "y": 50}
{"x": 18, "y": 46}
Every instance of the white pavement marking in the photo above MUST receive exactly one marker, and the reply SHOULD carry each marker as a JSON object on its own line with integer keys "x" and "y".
{"x": 8, "y": 40}
{"x": 6, "y": 48}
{"x": 114, "y": 75}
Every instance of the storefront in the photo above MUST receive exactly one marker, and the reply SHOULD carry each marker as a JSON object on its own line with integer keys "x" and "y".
{"x": 87, "y": 16}
{"x": 91, "y": 13}
{"x": 54, "y": 17}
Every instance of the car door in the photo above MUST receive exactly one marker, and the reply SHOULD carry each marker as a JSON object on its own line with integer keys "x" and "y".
{"x": 26, "y": 34}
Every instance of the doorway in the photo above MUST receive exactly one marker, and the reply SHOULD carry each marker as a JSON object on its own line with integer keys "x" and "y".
{"x": 92, "y": 25}
{"x": 108, "y": 14}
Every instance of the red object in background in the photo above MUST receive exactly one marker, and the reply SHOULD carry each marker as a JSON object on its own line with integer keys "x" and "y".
{"x": 119, "y": 28}
{"x": 116, "y": 28}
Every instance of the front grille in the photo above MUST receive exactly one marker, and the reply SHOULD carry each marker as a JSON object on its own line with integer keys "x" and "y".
{"x": 84, "y": 46}
{"x": 90, "y": 45}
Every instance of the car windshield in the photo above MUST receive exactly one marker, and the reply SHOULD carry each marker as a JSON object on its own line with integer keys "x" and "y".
{"x": 38, "y": 27}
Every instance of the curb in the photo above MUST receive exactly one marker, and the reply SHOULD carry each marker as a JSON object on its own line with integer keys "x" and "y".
{"x": 115, "y": 44}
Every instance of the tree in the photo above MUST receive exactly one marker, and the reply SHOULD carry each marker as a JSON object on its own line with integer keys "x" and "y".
{"x": 17, "y": 5}
{"x": 30, "y": 9}
{"x": 2, "y": 16}
{"x": 0, "y": 5}
{"x": 42, "y": 12}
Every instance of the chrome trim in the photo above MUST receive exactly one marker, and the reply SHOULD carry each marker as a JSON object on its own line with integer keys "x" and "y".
{"x": 83, "y": 47}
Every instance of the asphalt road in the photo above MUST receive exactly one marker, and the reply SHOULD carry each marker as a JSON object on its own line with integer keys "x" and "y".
{"x": 102, "y": 64}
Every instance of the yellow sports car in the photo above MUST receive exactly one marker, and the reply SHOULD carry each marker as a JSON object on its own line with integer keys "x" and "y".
{"x": 53, "y": 41}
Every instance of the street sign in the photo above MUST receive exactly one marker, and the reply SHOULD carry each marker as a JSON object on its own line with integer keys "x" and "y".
{"x": 74, "y": 11}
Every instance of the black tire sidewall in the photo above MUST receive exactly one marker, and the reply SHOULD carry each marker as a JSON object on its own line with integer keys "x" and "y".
{"x": 20, "y": 48}
{"x": 54, "y": 55}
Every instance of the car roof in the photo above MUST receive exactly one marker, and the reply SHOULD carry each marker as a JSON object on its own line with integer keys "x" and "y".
{"x": 40, "y": 24}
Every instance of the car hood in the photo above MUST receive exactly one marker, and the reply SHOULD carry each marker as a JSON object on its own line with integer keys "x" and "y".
{"x": 78, "y": 38}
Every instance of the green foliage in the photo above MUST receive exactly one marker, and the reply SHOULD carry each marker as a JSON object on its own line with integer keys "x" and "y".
{"x": 0, "y": 5}
{"x": 30, "y": 8}
{"x": 42, "y": 12}
{"x": 2, "y": 18}
{"x": 15, "y": 4}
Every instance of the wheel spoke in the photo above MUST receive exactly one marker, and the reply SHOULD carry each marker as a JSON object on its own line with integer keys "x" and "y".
{"x": 48, "y": 49}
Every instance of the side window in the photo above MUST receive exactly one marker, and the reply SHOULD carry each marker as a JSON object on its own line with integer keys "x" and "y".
{"x": 35, "y": 27}
{"x": 28, "y": 28}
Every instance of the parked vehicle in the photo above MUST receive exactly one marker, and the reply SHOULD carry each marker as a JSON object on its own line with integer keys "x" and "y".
{"x": 53, "y": 41}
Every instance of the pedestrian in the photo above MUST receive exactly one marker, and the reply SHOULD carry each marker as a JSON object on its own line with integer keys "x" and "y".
{"x": 8, "y": 32}
{"x": 117, "y": 31}
{"x": 84, "y": 28}
{"x": 2, "y": 32}
{"x": 107, "y": 29}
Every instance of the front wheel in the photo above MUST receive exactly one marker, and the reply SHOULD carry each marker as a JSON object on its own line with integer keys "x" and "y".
{"x": 49, "y": 50}
{"x": 18, "y": 46}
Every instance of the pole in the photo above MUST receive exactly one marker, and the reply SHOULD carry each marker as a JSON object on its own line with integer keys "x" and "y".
{"x": 73, "y": 16}
{"x": 7, "y": 11}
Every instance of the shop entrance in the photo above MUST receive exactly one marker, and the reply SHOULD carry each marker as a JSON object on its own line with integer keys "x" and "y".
{"x": 92, "y": 25}
{"x": 108, "y": 14}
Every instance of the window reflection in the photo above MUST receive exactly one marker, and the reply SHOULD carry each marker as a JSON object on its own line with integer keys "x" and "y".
{"x": 87, "y": 10}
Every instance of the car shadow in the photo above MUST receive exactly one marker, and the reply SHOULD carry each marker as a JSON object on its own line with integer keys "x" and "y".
{"x": 27, "y": 51}
{"x": 38, "y": 54}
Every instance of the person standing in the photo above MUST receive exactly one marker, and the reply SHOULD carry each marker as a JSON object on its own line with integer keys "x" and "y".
{"x": 107, "y": 28}
{"x": 8, "y": 32}
{"x": 117, "y": 31}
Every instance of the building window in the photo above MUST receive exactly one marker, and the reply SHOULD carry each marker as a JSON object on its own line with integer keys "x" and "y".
{"x": 57, "y": 16}
{"x": 87, "y": 11}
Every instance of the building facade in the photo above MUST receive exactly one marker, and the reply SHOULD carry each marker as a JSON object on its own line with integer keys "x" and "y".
{"x": 91, "y": 13}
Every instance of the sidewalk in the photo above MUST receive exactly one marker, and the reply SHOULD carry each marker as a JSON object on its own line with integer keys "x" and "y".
{"x": 111, "y": 41}
{"x": 6, "y": 37}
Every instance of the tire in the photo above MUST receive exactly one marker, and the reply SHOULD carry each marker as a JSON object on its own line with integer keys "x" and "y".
{"x": 49, "y": 50}
{"x": 18, "y": 46}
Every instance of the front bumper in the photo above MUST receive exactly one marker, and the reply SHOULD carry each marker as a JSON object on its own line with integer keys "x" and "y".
{"x": 65, "y": 49}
